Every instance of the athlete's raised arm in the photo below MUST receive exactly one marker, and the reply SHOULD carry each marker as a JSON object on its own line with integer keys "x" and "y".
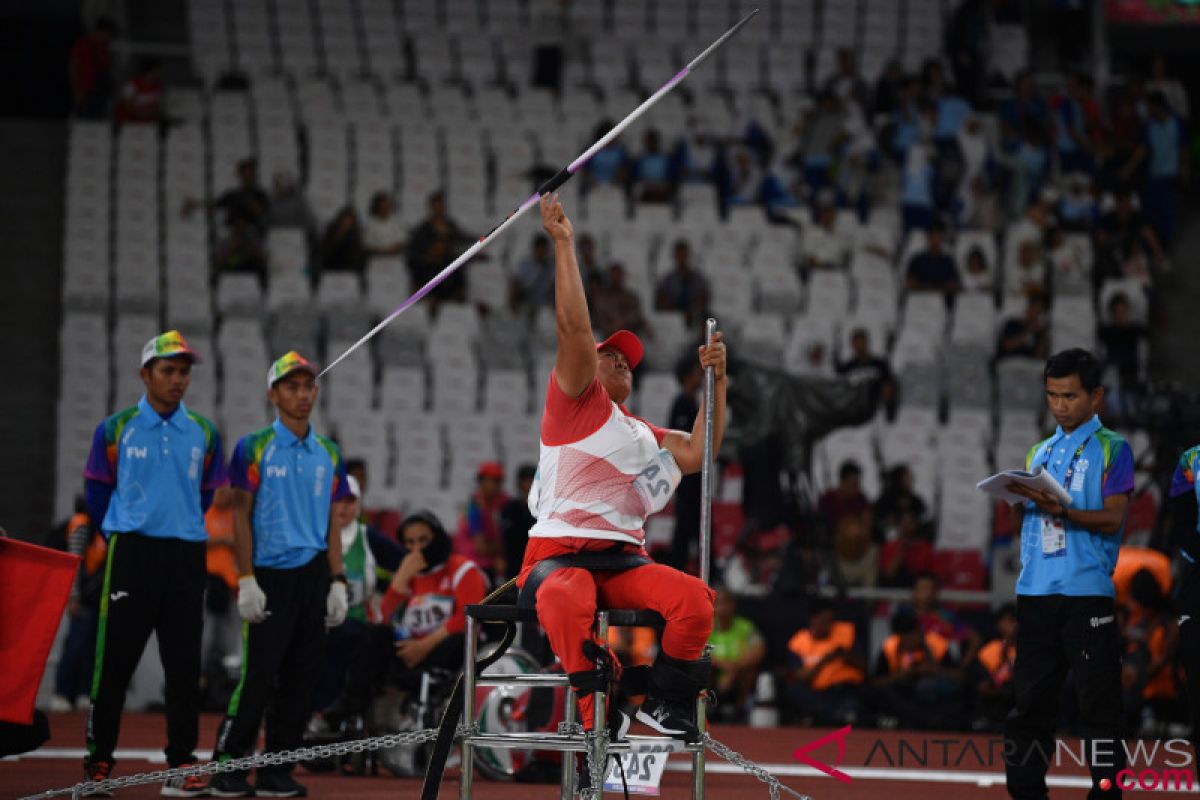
{"x": 575, "y": 363}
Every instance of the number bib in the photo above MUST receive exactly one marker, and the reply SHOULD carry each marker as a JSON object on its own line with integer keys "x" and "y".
{"x": 643, "y": 766}
{"x": 657, "y": 482}
{"x": 426, "y": 613}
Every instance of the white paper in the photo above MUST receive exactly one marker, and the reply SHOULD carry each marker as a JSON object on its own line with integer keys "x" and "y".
{"x": 997, "y": 485}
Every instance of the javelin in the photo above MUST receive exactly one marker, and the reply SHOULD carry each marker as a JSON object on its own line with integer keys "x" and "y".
{"x": 549, "y": 186}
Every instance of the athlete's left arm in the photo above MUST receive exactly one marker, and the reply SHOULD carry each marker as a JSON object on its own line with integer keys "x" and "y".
{"x": 688, "y": 448}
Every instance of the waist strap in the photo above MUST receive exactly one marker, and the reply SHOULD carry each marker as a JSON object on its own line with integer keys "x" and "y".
{"x": 595, "y": 562}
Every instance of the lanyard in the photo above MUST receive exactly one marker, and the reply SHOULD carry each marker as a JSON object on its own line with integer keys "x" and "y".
{"x": 1071, "y": 464}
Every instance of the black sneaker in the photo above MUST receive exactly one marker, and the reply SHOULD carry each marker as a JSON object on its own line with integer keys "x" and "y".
{"x": 618, "y": 725}
{"x": 94, "y": 772}
{"x": 278, "y": 784}
{"x": 230, "y": 784}
{"x": 669, "y": 718}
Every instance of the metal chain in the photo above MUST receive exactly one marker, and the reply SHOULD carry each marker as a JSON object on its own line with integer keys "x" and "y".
{"x": 280, "y": 758}
{"x": 734, "y": 757}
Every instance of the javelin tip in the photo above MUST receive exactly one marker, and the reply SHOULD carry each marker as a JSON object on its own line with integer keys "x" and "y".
{"x": 712, "y": 48}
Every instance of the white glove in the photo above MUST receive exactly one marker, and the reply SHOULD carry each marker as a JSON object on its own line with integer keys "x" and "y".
{"x": 252, "y": 602}
{"x": 336, "y": 605}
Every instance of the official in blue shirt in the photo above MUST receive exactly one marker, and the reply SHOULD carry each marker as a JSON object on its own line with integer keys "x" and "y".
{"x": 286, "y": 478}
{"x": 150, "y": 477}
{"x": 1185, "y": 500}
{"x": 1066, "y": 615}
{"x": 1164, "y": 147}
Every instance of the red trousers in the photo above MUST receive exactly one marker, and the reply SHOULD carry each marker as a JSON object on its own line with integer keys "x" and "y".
{"x": 567, "y": 601}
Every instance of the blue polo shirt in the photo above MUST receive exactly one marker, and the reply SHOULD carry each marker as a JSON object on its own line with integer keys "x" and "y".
{"x": 1184, "y": 480}
{"x": 1163, "y": 140}
{"x": 294, "y": 481}
{"x": 157, "y": 467}
{"x": 1100, "y": 463}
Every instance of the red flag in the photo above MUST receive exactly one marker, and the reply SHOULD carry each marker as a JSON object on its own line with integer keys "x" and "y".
{"x": 35, "y": 583}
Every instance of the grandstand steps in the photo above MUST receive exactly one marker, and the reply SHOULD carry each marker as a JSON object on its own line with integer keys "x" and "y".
{"x": 31, "y": 227}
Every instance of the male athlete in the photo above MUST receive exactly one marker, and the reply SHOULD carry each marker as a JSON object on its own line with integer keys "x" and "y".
{"x": 601, "y": 472}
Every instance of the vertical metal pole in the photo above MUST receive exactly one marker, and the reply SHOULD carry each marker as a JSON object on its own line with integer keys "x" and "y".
{"x": 706, "y": 471}
{"x": 567, "y": 783}
{"x": 464, "y": 785}
{"x": 706, "y": 497}
{"x": 599, "y": 739}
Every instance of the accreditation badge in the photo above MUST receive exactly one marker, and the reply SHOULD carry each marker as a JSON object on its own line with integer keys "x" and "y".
{"x": 1054, "y": 537}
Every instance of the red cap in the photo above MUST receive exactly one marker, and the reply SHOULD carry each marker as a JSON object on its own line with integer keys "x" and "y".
{"x": 491, "y": 469}
{"x": 627, "y": 344}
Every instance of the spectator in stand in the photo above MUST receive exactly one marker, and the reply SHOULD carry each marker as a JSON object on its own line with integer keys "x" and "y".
{"x": 821, "y": 134}
{"x": 610, "y": 164}
{"x": 1028, "y": 275}
{"x": 1076, "y": 115}
{"x": 825, "y": 671}
{"x": 916, "y": 678}
{"x": 431, "y": 248}
{"x": 1119, "y": 229}
{"x": 478, "y": 536}
{"x": 967, "y": 46}
{"x": 822, "y": 245}
{"x": 1027, "y": 336}
{"x": 247, "y": 203}
{"x": 910, "y": 554}
{"x": 857, "y": 556}
{"x": 383, "y": 230}
{"x": 1027, "y": 162}
{"x": 813, "y": 360}
{"x": 933, "y": 269}
{"x": 1025, "y": 106}
{"x": 289, "y": 208}
{"x": 589, "y": 259}
{"x": 975, "y": 201}
{"x": 241, "y": 249}
{"x": 990, "y": 673}
{"x": 847, "y": 83}
{"x": 653, "y": 175}
{"x": 1122, "y": 339}
{"x": 1069, "y": 264}
{"x": 935, "y": 618}
{"x": 907, "y": 120}
{"x": 91, "y": 70}
{"x": 141, "y": 97}
{"x": 222, "y": 627}
{"x": 1170, "y": 88}
{"x": 897, "y": 500}
{"x": 1149, "y": 672}
{"x": 617, "y": 307}
{"x": 864, "y": 366}
{"x": 1077, "y": 208}
{"x": 846, "y": 499}
{"x": 684, "y": 407}
{"x": 683, "y": 288}
{"x": 515, "y": 522}
{"x": 977, "y": 276}
{"x": 341, "y": 248}
{"x": 532, "y": 287}
{"x": 738, "y": 651}
{"x": 950, "y": 109}
{"x": 1164, "y": 147}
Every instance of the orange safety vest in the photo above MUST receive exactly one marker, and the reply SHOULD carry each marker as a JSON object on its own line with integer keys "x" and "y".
{"x": 1130, "y": 560}
{"x": 810, "y": 650}
{"x": 1162, "y": 686}
{"x": 935, "y": 643}
{"x": 641, "y": 645}
{"x": 998, "y": 657}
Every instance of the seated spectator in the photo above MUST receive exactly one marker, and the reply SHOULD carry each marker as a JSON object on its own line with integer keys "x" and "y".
{"x": 822, "y": 246}
{"x": 91, "y": 70}
{"x": 532, "y": 286}
{"x": 1074, "y": 113}
{"x": 1028, "y": 275}
{"x": 933, "y": 270}
{"x": 341, "y": 248}
{"x": 865, "y": 367}
{"x": 1026, "y": 336}
{"x": 935, "y": 618}
{"x": 847, "y": 83}
{"x": 991, "y": 673}
{"x": 1077, "y": 207}
{"x": 910, "y": 554}
{"x": 847, "y": 498}
{"x": 433, "y": 587}
{"x": 950, "y": 110}
{"x": 653, "y": 174}
{"x": 916, "y": 680}
{"x": 1122, "y": 339}
{"x": 897, "y": 500}
{"x": 478, "y": 536}
{"x": 515, "y": 522}
{"x": 431, "y": 248}
{"x": 738, "y": 651}
{"x": 1027, "y": 165}
{"x": 886, "y": 96}
{"x": 241, "y": 248}
{"x": 383, "y": 231}
{"x": 825, "y": 672}
{"x": 248, "y": 202}
{"x": 1170, "y": 88}
{"x": 610, "y": 164}
{"x": 289, "y": 208}
{"x": 975, "y": 198}
{"x": 588, "y": 257}
{"x": 141, "y": 97}
{"x": 1119, "y": 228}
{"x": 821, "y": 135}
{"x": 1026, "y": 105}
{"x": 1150, "y": 675}
{"x": 1069, "y": 264}
{"x": 917, "y": 182}
{"x": 742, "y": 178}
{"x": 857, "y": 557}
{"x": 617, "y": 307}
{"x": 977, "y": 277}
{"x": 684, "y": 288}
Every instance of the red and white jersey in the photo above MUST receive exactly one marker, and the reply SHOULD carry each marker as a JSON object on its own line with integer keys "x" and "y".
{"x": 438, "y": 598}
{"x": 592, "y": 452}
